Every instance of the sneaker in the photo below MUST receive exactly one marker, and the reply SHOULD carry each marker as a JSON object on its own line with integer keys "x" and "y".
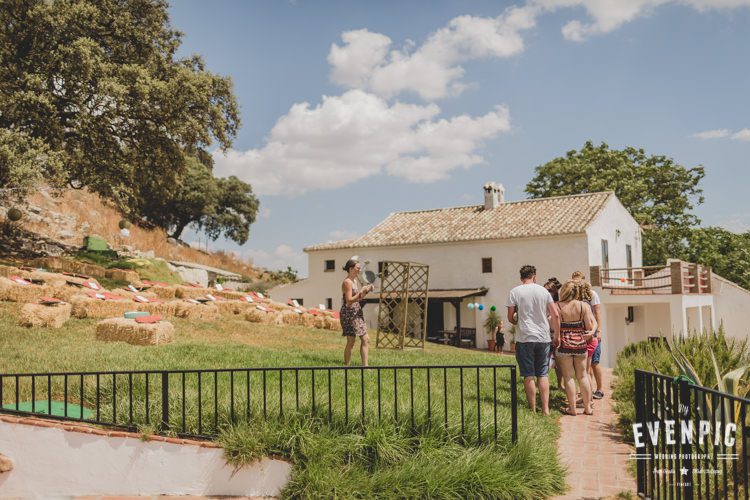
{"x": 598, "y": 395}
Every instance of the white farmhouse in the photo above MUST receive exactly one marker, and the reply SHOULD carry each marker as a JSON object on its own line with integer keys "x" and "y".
{"x": 475, "y": 253}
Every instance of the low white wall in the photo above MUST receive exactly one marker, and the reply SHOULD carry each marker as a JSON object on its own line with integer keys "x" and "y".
{"x": 732, "y": 307}
{"x": 51, "y": 462}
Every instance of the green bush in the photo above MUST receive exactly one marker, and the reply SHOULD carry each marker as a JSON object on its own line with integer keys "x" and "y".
{"x": 656, "y": 357}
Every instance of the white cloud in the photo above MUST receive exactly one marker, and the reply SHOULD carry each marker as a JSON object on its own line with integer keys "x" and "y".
{"x": 265, "y": 213}
{"x": 281, "y": 257}
{"x": 723, "y": 133}
{"x": 357, "y": 135}
{"x": 718, "y": 133}
{"x": 608, "y": 15}
{"x": 342, "y": 234}
{"x": 366, "y": 60}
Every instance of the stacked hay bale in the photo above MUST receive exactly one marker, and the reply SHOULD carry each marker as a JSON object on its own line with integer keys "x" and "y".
{"x": 89, "y": 307}
{"x": 229, "y": 294}
{"x": 54, "y": 280}
{"x": 164, "y": 292}
{"x": 189, "y": 292}
{"x": 268, "y": 317}
{"x": 132, "y": 332}
{"x": 185, "y": 309}
{"x": 48, "y": 316}
{"x": 10, "y": 291}
{"x": 8, "y": 271}
{"x": 292, "y": 318}
{"x": 123, "y": 275}
{"x": 168, "y": 308}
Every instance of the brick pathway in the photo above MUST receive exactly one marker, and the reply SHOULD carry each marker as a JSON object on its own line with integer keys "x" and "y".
{"x": 591, "y": 448}
{"x": 166, "y": 497}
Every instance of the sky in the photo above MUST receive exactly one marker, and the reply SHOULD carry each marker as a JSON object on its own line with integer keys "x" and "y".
{"x": 354, "y": 109}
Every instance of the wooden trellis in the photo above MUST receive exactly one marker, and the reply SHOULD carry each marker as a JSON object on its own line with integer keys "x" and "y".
{"x": 402, "y": 312}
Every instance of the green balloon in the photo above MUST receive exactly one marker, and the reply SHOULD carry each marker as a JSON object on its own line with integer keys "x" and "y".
{"x": 493, "y": 308}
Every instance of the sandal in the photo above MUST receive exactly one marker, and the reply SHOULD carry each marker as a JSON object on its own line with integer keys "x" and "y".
{"x": 566, "y": 411}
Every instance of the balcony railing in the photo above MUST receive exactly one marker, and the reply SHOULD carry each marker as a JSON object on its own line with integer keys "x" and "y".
{"x": 676, "y": 277}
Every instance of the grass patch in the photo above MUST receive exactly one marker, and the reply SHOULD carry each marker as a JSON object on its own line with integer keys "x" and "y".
{"x": 331, "y": 459}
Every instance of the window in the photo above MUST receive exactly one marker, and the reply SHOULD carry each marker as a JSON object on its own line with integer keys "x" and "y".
{"x": 629, "y": 260}
{"x": 486, "y": 264}
{"x": 605, "y": 254}
{"x": 330, "y": 265}
{"x": 329, "y": 303}
{"x": 299, "y": 301}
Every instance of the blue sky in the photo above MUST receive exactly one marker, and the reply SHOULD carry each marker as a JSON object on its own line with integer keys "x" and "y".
{"x": 426, "y": 101}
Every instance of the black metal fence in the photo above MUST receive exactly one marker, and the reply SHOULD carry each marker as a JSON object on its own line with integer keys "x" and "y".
{"x": 477, "y": 403}
{"x": 695, "y": 440}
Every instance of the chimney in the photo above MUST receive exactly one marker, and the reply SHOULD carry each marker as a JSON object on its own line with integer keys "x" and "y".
{"x": 494, "y": 195}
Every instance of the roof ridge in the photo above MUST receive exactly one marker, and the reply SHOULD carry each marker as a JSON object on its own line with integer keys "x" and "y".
{"x": 527, "y": 200}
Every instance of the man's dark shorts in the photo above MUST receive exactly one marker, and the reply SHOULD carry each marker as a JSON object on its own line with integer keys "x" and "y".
{"x": 597, "y": 353}
{"x": 533, "y": 358}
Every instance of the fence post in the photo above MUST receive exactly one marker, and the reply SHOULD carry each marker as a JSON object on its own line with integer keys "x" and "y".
{"x": 513, "y": 406}
{"x": 686, "y": 463}
{"x": 640, "y": 417}
{"x": 164, "y": 425}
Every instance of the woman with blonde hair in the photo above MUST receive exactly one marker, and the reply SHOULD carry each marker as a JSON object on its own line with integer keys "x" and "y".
{"x": 577, "y": 325}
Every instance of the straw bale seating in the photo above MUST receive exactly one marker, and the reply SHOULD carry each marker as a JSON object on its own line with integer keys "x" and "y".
{"x": 132, "y": 332}
{"x": 48, "y": 316}
{"x": 268, "y": 317}
{"x": 189, "y": 292}
{"x": 164, "y": 292}
{"x": 11, "y": 291}
{"x": 233, "y": 306}
{"x": 185, "y": 309}
{"x": 8, "y": 271}
{"x": 168, "y": 308}
{"x": 229, "y": 294}
{"x": 292, "y": 318}
{"x": 85, "y": 306}
{"x": 123, "y": 275}
{"x": 52, "y": 279}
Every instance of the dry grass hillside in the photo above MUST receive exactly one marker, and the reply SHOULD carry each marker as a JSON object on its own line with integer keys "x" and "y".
{"x": 73, "y": 214}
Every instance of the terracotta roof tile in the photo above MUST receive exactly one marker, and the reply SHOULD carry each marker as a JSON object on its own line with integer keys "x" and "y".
{"x": 518, "y": 219}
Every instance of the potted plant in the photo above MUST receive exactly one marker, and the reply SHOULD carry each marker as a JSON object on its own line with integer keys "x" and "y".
{"x": 512, "y": 333}
{"x": 490, "y": 325}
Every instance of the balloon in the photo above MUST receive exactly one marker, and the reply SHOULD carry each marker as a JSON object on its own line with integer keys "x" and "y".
{"x": 481, "y": 307}
{"x": 471, "y": 305}
{"x": 493, "y": 308}
{"x": 622, "y": 280}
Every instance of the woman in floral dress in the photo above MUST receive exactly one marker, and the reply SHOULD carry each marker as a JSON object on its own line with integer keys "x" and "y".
{"x": 352, "y": 317}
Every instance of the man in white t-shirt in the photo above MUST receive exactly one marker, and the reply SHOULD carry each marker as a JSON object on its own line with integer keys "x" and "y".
{"x": 529, "y": 305}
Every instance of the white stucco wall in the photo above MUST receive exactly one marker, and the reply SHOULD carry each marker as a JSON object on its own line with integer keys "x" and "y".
{"x": 732, "y": 307}
{"x": 54, "y": 463}
{"x": 614, "y": 217}
{"x": 452, "y": 265}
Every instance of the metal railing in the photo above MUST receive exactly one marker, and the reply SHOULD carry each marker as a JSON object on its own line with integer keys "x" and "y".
{"x": 477, "y": 403}
{"x": 703, "y": 452}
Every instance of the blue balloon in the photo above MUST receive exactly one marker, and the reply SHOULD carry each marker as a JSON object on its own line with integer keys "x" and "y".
{"x": 481, "y": 307}
{"x": 471, "y": 305}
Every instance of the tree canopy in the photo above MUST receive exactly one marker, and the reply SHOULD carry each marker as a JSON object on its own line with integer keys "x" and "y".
{"x": 93, "y": 94}
{"x": 726, "y": 252}
{"x": 658, "y": 192}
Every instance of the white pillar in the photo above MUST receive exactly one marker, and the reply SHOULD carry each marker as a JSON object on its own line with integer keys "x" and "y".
{"x": 700, "y": 319}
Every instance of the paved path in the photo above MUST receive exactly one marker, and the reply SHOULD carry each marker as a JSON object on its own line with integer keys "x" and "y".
{"x": 591, "y": 448}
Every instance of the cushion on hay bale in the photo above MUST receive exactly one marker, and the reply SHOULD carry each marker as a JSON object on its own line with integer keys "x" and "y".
{"x": 127, "y": 330}
{"x": 135, "y": 314}
{"x": 87, "y": 307}
{"x": 196, "y": 311}
{"x": 14, "y": 292}
{"x": 48, "y": 316}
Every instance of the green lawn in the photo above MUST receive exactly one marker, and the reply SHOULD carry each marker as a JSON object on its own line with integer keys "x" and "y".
{"x": 412, "y": 456}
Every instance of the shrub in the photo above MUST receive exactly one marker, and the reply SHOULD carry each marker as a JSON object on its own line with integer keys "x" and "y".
{"x": 656, "y": 357}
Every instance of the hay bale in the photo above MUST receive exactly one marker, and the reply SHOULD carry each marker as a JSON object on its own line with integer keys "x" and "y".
{"x": 88, "y": 307}
{"x": 233, "y": 306}
{"x": 53, "y": 263}
{"x": 332, "y": 324}
{"x": 307, "y": 320}
{"x": 45, "y": 316}
{"x": 123, "y": 275}
{"x": 278, "y": 306}
{"x": 79, "y": 267}
{"x": 127, "y": 330}
{"x": 65, "y": 292}
{"x": 255, "y": 315}
{"x": 196, "y": 311}
{"x": 319, "y": 322}
{"x": 163, "y": 309}
{"x": 229, "y": 294}
{"x": 164, "y": 292}
{"x": 52, "y": 279}
{"x": 8, "y": 271}
{"x": 13, "y": 292}
{"x": 189, "y": 292}
{"x": 292, "y": 318}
